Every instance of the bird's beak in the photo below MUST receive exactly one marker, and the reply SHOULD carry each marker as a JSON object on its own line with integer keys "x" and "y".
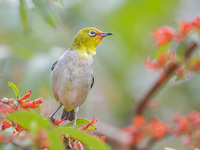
{"x": 105, "y": 34}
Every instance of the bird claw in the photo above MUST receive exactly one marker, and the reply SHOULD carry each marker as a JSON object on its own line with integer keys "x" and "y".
{"x": 51, "y": 119}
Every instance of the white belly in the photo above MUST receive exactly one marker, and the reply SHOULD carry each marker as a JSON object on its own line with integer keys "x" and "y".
{"x": 72, "y": 79}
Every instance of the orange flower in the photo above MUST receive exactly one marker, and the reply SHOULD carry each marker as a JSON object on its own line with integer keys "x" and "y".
{"x": 80, "y": 146}
{"x": 185, "y": 27}
{"x": 28, "y": 94}
{"x": 57, "y": 121}
{"x": 94, "y": 120}
{"x": 102, "y": 138}
{"x": 151, "y": 64}
{"x": 18, "y": 128}
{"x": 6, "y": 125}
{"x": 182, "y": 124}
{"x": 138, "y": 121}
{"x": 164, "y": 35}
{"x": 196, "y": 22}
{"x": 159, "y": 129}
{"x": 31, "y": 104}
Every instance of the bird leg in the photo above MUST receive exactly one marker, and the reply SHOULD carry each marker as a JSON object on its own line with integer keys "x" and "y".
{"x": 75, "y": 113}
{"x": 51, "y": 116}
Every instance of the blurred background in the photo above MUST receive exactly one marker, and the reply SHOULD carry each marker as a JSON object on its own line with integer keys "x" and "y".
{"x": 34, "y": 34}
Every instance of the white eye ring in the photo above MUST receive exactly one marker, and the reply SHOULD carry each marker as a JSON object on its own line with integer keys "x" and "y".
{"x": 92, "y": 33}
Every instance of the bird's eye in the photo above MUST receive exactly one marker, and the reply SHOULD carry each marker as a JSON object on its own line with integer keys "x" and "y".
{"x": 92, "y": 33}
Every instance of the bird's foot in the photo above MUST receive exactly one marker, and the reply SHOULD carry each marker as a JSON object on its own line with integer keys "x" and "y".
{"x": 51, "y": 119}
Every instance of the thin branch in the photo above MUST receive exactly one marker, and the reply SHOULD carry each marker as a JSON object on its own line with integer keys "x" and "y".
{"x": 163, "y": 78}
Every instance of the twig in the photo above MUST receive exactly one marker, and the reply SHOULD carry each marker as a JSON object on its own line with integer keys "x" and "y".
{"x": 163, "y": 78}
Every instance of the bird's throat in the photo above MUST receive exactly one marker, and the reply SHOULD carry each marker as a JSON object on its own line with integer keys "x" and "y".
{"x": 86, "y": 54}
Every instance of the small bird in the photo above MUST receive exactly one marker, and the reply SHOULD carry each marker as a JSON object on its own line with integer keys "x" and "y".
{"x": 72, "y": 73}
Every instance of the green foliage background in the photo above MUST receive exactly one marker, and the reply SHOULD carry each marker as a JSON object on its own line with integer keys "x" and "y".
{"x": 33, "y": 35}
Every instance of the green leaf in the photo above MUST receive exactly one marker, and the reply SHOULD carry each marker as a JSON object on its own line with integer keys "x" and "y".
{"x": 81, "y": 122}
{"x": 161, "y": 49}
{"x": 28, "y": 120}
{"x": 23, "y": 14}
{"x": 32, "y": 121}
{"x": 55, "y": 140}
{"x": 41, "y": 106}
{"x": 84, "y": 138}
{"x": 15, "y": 89}
{"x": 46, "y": 12}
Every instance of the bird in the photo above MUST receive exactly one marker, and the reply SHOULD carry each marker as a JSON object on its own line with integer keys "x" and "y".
{"x": 72, "y": 73}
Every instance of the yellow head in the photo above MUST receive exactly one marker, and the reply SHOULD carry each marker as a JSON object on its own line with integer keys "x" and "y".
{"x": 87, "y": 40}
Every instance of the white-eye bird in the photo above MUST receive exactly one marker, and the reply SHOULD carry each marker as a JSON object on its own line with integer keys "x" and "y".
{"x": 72, "y": 73}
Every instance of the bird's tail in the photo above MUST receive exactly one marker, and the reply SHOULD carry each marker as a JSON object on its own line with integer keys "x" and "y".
{"x": 68, "y": 115}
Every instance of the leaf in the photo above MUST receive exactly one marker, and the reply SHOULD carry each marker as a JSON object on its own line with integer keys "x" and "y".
{"x": 87, "y": 139}
{"x": 81, "y": 122}
{"x": 55, "y": 140}
{"x": 32, "y": 121}
{"x": 46, "y": 12}
{"x": 28, "y": 120}
{"x": 15, "y": 89}
{"x": 41, "y": 106}
{"x": 156, "y": 53}
{"x": 23, "y": 14}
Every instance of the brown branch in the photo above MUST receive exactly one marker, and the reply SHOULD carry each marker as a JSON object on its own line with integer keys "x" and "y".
{"x": 163, "y": 78}
{"x": 190, "y": 50}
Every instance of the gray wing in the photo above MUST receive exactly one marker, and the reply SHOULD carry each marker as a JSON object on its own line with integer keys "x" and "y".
{"x": 53, "y": 66}
{"x": 92, "y": 81}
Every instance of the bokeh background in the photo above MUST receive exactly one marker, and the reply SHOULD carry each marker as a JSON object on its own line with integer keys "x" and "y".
{"x": 34, "y": 34}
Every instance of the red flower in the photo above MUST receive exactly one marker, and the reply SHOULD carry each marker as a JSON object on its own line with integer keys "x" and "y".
{"x": 151, "y": 64}
{"x": 182, "y": 124}
{"x": 158, "y": 128}
{"x": 159, "y": 63}
{"x": 194, "y": 118}
{"x": 138, "y": 121}
{"x": 102, "y": 138}
{"x": 31, "y": 104}
{"x": 162, "y": 59}
{"x": 185, "y": 27}
{"x": 18, "y": 128}
{"x": 28, "y": 94}
{"x": 57, "y": 121}
{"x": 5, "y": 108}
{"x": 196, "y": 22}
{"x": 80, "y": 146}
{"x": 94, "y": 120}
{"x": 6, "y": 125}
{"x": 164, "y": 35}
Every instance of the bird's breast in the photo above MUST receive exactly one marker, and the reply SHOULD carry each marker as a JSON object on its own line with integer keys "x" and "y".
{"x": 72, "y": 78}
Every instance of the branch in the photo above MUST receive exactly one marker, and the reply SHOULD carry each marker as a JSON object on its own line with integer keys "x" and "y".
{"x": 163, "y": 78}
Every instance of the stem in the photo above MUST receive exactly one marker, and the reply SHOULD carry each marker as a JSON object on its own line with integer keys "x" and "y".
{"x": 163, "y": 78}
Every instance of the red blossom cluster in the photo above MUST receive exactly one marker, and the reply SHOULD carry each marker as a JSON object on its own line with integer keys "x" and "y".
{"x": 168, "y": 55}
{"x": 42, "y": 138}
{"x": 166, "y": 34}
{"x": 142, "y": 128}
{"x": 189, "y": 127}
{"x": 163, "y": 60}
{"x": 85, "y": 127}
{"x": 12, "y": 105}
{"x": 186, "y": 126}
